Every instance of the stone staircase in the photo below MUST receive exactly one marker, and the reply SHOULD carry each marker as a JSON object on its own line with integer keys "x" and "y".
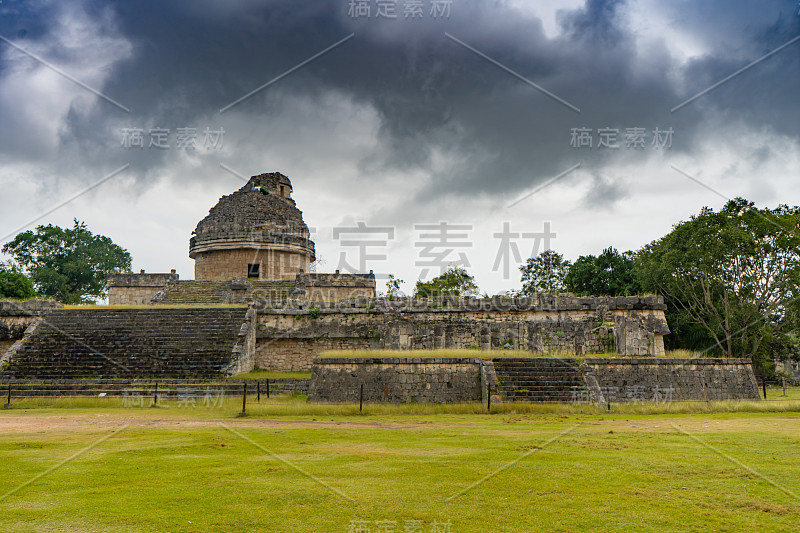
{"x": 539, "y": 380}
{"x": 131, "y": 343}
{"x": 224, "y": 291}
{"x": 200, "y": 292}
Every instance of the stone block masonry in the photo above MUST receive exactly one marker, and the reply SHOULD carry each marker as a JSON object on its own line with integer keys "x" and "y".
{"x": 657, "y": 379}
{"x": 16, "y": 317}
{"x": 395, "y": 380}
{"x": 136, "y": 289}
{"x": 535, "y": 380}
{"x": 293, "y": 332}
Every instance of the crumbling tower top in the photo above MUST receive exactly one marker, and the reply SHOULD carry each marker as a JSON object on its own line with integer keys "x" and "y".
{"x": 257, "y": 232}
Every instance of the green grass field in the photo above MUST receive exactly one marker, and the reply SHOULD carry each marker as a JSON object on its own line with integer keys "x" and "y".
{"x": 268, "y": 374}
{"x": 90, "y": 465}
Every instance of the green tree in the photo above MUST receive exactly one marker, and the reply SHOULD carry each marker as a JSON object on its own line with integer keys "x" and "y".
{"x": 15, "y": 284}
{"x": 609, "y": 274}
{"x": 732, "y": 275}
{"x": 393, "y": 287}
{"x": 544, "y": 273}
{"x": 454, "y": 282}
{"x": 70, "y": 265}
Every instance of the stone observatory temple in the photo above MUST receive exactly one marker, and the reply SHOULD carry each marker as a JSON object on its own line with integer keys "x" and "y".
{"x": 253, "y": 245}
{"x": 256, "y": 302}
{"x": 256, "y": 233}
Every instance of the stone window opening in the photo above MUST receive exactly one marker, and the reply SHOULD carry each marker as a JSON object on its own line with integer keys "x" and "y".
{"x": 254, "y": 271}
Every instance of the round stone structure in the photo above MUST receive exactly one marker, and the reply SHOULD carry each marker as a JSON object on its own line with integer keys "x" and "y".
{"x": 257, "y": 232}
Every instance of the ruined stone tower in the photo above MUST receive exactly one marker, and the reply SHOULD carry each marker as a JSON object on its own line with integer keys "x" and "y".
{"x": 257, "y": 232}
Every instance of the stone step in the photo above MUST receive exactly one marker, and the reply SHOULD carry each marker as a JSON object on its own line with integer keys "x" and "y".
{"x": 186, "y": 343}
{"x": 224, "y": 291}
{"x": 538, "y": 380}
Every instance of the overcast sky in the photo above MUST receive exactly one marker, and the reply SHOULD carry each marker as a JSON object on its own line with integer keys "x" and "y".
{"x": 476, "y": 114}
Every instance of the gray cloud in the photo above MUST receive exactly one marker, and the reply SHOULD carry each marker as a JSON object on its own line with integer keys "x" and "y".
{"x": 176, "y": 64}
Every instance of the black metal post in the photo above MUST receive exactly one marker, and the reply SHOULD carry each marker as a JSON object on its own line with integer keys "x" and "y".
{"x": 8, "y": 402}
{"x": 361, "y": 399}
{"x": 155, "y": 395}
{"x": 244, "y": 399}
{"x": 267, "y": 388}
{"x": 488, "y": 397}
{"x": 764, "y": 386}
{"x": 258, "y": 387}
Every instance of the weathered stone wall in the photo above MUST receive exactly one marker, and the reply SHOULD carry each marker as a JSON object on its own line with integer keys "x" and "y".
{"x": 288, "y": 332}
{"x": 605, "y": 380}
{"x": 15, "y": 317}
{"x": 396, "y": 380}
{"x": 317, "y": 294}
{"x": 244, "y": 351}
{"x": 4, "y": 346}
{"x": 136, "y": 289}
{"x": 295, "y": 355}
{"x": 13, "y": 327}
{"x": 336, "y": 287}
{"x": 671, "y": 379}
{"x": 790, "y": 368}
{"x": 227, "y": 264}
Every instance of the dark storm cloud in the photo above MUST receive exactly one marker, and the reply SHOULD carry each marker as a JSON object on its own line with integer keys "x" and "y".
{"x": 190, "y": 59}
{"x": 606, "y": 191}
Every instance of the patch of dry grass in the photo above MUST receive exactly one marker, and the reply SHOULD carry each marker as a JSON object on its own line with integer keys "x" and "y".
{"x": 158, "y": 306}
{"x": 451, "y": 353}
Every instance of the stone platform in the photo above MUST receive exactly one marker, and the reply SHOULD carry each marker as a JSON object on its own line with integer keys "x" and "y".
{"x": 536, "y": 380}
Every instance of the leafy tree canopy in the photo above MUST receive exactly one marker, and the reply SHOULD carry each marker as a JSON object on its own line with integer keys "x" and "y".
{"x": 609, "y": 274}
{"x": 70, "y": 265}
{"x": 733, "y": 276}
{"x": 393, "y": 287}
{"x": 454, "y": 282}
{"x": 544, "y": 273}
{"x": 15, "y": 284}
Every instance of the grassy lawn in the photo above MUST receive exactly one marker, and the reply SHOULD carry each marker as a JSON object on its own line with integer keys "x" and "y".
{"x": 290, "y": 466}
{"x": 266, "y": 374}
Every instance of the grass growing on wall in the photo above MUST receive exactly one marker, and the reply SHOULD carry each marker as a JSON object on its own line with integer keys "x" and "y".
{"x": 267, "y": 374}
{"x": 493, "y": 354}
{"x": 451, "y": 353}
{"x": 157, "y": 306}
{"x": 686, "y": 354}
